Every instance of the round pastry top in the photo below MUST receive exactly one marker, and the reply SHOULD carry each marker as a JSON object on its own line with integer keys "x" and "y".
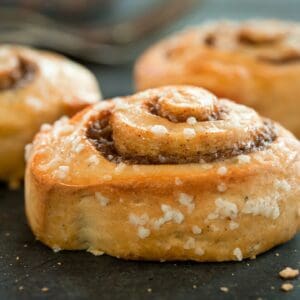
{"x": 34, "y": 82}
{"x": 165, "y": 132}
{"x": 175, "y": 125}
{"x": 269, "y": 41}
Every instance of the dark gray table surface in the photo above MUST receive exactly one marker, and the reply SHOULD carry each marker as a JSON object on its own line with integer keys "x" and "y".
{"x": 26, "y": 266}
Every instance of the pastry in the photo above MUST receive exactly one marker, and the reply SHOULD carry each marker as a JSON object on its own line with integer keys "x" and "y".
{"x": 256, "y": 63}
{"x": 36, "y": 87}
{"x": 170, "y": 173}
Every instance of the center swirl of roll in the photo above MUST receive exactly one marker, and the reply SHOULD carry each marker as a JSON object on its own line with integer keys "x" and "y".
{"x": 178, "y": 125}
{"x": 178, "y": 106}
{"x": 15, "y": 71}
{"x": 271, "y": 42}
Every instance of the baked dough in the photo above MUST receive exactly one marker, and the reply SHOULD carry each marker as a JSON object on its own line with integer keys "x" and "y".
{"x": 36, "y": 87}
{"x": 256, "y": 63}
{"x": 166, "y": 174}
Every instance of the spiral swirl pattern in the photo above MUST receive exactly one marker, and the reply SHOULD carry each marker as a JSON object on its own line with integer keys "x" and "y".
{"x": 178, "y": 124}
{"x": 36, "y": 87}
{"x": 269, "y": 41}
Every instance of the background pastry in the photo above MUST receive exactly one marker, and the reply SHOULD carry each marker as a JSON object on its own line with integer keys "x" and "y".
{"x": 36, "y": 87}
{"x": 256, "y": 63}
{"x": 170, "y": 173}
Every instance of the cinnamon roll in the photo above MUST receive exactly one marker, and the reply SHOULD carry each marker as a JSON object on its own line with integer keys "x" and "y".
{"x": 170, "y": 173}
{"x": 256, "y": 63}
{"x": 36, "y": 87}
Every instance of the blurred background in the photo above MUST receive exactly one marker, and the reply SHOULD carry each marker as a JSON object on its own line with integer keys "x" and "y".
{"x": 108, "y": 35}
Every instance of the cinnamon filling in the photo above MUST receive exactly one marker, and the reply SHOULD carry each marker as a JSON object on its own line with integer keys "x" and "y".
{"x": 249, "y": 40}
{"x": 15, "y": 73}
{"x": 100, "y": 134}
{"x": 210, "y": 40}
{"x": 283, "y": 59}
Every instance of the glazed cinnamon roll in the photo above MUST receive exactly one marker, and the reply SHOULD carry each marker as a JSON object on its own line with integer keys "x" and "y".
{"x": 36, "y": 87}
{"x": 170, "y": 173}
{"x": 256, "y": 63}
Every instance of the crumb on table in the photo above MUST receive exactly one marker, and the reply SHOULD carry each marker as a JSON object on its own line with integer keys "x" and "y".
{"x": 287, "y": 287}
{"x": 289, "y": 273}
{"x": 224, "y": 289}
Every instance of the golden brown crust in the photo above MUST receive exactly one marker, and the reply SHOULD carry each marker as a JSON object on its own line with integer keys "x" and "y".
{"x": 36, "y": 87}
{"x": 256, "y": 63}
{"x": 232, "y": 207}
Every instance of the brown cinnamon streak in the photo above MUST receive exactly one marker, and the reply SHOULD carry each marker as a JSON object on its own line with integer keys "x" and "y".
{"x": 19, "y": 77}
{"x": 99, "y": 132}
